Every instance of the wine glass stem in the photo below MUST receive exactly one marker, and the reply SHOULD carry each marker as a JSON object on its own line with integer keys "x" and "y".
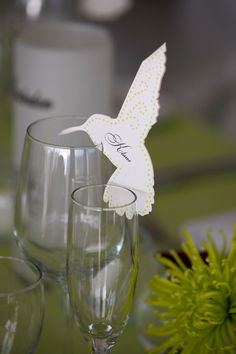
{"x": 100, "y": 346}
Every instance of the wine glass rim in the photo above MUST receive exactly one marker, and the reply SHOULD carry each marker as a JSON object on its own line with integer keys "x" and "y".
{"x": 96, "y": 208}
{"x": 46, "y": 143}
{"x": 34, "y": 284}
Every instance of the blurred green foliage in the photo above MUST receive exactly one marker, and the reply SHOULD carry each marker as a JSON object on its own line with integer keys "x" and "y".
{"x": 182, "y": 143}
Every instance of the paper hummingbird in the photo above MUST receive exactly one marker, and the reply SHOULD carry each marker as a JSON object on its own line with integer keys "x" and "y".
{"x": 123, "y": 137}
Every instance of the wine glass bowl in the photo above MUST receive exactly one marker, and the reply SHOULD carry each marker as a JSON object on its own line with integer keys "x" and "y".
{"x": 21, "y": 306}
{"x": 102, "y": 262}
{"x": 52, "y": 166}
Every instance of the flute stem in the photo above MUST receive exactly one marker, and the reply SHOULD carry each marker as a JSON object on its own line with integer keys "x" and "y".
{"x": 100, "y": 346}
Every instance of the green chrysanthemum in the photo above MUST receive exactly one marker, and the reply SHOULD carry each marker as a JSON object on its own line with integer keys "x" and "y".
{"x": 196, "y": 306}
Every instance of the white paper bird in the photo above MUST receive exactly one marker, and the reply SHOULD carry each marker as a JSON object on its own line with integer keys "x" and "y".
{"x": 123, "y": 137}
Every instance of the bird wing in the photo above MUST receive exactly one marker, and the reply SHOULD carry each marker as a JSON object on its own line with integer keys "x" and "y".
{"x": 141, "y": 106}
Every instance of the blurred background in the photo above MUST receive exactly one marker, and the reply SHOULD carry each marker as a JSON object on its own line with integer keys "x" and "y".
{"x": 193, "y": 146}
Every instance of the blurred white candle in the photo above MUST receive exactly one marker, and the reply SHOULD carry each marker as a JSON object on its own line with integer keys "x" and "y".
{"x": 60, "y": 69}
{"x": 105, "y": 9}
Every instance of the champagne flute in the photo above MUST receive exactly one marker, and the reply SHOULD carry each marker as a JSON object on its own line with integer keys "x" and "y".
{"x": 52, "y": 166}
{"x": 21, "y": 306}
{"x": 102, "y": 262}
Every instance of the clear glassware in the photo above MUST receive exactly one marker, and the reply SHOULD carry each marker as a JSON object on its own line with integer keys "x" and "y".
{"x": 52, "y": 166}
{"x": 21, "y": 306}
{"x": 7, "y": 200}
{"x": 102, "y": 262}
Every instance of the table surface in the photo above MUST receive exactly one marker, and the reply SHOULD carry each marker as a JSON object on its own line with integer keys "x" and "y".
{"x": 174, "y": 144}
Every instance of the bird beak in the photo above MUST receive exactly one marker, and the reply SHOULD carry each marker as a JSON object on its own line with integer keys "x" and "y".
{"x": 72, "y": 130}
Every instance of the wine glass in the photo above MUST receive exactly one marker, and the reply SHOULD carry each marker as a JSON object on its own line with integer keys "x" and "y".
{"x": 52, "y": 166}
{"x": 102, "y": 262}
{"x": 21, "y": 306}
